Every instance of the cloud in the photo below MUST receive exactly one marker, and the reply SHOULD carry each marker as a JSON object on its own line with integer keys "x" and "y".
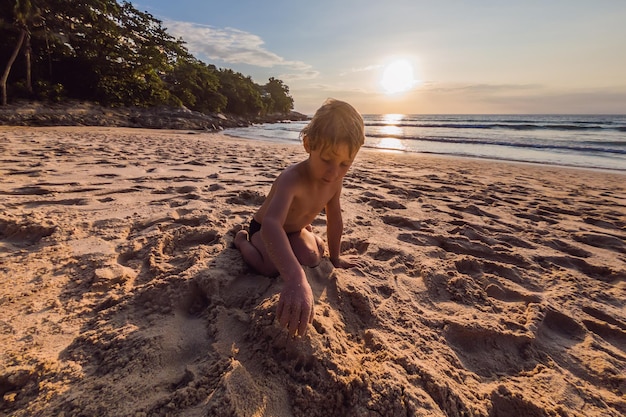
{"x": 481, "y": 88}
{"x": 232, "y": 46}
{"x": 362, "y": 69}
{"x": 309, "y": 74}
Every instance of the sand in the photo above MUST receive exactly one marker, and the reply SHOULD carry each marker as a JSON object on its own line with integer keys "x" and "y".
{"x": 486, "y": 288}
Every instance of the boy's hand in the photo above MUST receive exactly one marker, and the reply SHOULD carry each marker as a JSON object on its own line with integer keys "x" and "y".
{"x": 346, "y": 263}
{"x": 295, "y": 306}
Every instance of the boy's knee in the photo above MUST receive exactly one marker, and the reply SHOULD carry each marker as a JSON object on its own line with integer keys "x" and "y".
{"x": 311, "y": 258}
{"x": 320, "y": 245}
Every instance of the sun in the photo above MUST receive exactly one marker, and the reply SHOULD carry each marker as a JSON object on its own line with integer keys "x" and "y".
{"x": 398, "y": 77}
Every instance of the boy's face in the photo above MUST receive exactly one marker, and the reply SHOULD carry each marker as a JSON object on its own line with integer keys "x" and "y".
{"x": 331, "y": 164}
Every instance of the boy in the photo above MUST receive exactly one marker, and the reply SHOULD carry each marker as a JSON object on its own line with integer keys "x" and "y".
{"x": 280, "y": 240}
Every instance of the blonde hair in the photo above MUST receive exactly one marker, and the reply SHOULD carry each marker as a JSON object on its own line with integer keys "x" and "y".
{"x": 336, "y": 122}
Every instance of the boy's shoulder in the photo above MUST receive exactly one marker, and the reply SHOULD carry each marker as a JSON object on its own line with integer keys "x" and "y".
{"x": 293, "y": 172}
{"x": 292, "y": 176}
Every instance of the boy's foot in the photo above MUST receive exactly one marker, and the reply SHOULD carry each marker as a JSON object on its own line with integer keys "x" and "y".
{"x": 320, "y": 245}
{"x": 233, "y": 230}
{"x": 240, "y": 237}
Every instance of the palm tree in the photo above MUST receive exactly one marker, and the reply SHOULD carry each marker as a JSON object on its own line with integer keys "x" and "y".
{"x": 24, "y": 13}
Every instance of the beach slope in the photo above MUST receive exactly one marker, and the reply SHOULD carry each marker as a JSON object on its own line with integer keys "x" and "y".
{"x": 485, "y": 289}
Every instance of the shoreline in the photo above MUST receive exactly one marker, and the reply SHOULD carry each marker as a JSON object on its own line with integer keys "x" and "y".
{"x": 74, "y": 113}
{"x": 585, "y": 141}
{"x": 484, "y": 287}
{"x": 442, "y": 155}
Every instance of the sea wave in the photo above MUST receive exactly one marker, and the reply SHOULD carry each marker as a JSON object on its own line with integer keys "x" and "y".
{"x": 517, "y": 126}
{"x": 568, "y": 146}
{"x": 594, "y": 141}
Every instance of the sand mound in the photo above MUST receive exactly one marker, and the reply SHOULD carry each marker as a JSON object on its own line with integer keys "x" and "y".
{"x": 486, "y": 289}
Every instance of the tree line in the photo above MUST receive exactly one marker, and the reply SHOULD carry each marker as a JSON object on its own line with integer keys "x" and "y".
{"x": 113, "y": 54}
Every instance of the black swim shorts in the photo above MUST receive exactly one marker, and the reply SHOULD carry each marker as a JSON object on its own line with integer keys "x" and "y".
{"x": 254, "y": 227}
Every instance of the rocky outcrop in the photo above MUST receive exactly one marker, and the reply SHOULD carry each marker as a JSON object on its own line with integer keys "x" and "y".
{"x": 90, "y": 114}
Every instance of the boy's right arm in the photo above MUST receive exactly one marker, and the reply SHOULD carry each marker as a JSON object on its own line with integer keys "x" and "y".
{"x": 334, "y": 230}
{"x": 295, "y": 307}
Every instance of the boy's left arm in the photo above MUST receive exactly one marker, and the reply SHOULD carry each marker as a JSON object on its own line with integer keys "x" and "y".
{"x": 334, "y": 231}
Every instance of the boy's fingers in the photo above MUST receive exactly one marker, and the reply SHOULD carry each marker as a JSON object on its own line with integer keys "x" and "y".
{"x": 279, "y": 310}
{"x": 311, "y": 315}
{"x": 294, "y": 322}
{"x": 295, "y": 318}
{"x": 304, "y": 322}
{"x": 285, "y": 316}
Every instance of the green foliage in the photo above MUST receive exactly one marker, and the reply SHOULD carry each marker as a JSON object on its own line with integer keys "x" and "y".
{"x": 112, "y": 53}
{"x": 279, "y": 99}
{"x": 196, "y": 85}
{"x": 50, "y": 92}
{"x": 242, "y": 94}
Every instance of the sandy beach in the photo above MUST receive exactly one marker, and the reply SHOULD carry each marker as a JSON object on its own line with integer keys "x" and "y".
{"x": 487, "y": 289}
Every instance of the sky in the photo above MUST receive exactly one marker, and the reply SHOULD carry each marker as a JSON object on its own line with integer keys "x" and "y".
{"x": 417, "y": 56}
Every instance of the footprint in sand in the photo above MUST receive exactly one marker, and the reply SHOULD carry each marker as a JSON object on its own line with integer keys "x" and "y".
{"x": 602, "y": 316}
{"x": 472, "y": 209}
{"x": 477, "y": 267}
{"x": 602, "y": 241}
{"x": 464, "y": 246}
{"x": 600, "y": 273}
{"x": 567, "y": 248}
{"x": 24, "y": 232}
{"x": 509, "y": 295}
{"x": 612, "y": 334}
{"x": 31, "y": 190}
{"x": 63, "y": 202}
{"x": 536, "y": 217}
{"x": 490, "y": 352}
{"x": 506, "y": 403}
{"x": 402, "y": 222}
{"x": 398, "y": 261}
{"x": 556, "y": 323}
{"x": 354, "y": 246}
{"x": 168, "y": 246}
{"x": 606, "y": 326}
{"x": 613, "y": 224}
{"x": 383, "y": 203}
{"x": 247, "y": 198}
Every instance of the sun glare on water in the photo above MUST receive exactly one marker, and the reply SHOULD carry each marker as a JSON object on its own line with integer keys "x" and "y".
{"x": 398, "y": 77}
{"x": 391, "y": 128}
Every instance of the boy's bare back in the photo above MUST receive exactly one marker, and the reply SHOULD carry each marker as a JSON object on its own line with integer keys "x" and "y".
{"x": 307, "y": 199}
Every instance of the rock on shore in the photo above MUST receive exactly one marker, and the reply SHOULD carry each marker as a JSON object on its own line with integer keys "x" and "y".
{"x": 90, "y": 114}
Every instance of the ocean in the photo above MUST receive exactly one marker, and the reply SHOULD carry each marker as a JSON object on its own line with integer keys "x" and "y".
{"x": 587, "y": 141}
